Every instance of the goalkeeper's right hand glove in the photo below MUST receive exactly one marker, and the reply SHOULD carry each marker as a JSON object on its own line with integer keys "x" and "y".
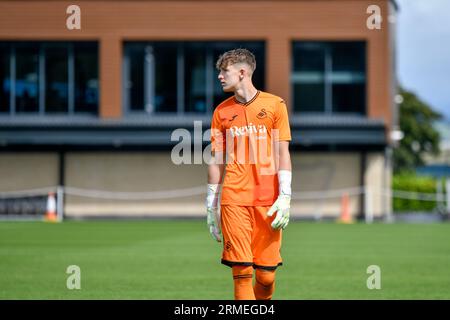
{"x": 213, "y": 213}
{"x": 283, "y": 204}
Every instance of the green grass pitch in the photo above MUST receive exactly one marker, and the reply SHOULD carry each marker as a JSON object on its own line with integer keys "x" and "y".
{"x": 177, "y": 259}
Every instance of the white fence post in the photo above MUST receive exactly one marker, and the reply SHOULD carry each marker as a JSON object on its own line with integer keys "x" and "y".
{"x": 368, "y": 204}
{"x": 389, "y": 215}
{"x": 60, "y": 202}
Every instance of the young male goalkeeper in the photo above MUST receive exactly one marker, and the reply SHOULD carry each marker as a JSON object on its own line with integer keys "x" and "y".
{"x": 251, "y": 174}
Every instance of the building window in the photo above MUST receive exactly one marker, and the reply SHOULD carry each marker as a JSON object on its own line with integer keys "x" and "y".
{"x": 85, "y": 65}
{"x": 329, "y": 77}
{"x": 179, "y": 77}
{"x": 48, "y": 78}
{"x": 27, "y": 77}
{"x": 5, "y": 78}
{"x": 56, "y": 78}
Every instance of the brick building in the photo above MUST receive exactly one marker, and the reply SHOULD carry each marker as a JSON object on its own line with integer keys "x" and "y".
{"x": 95, "y": 107}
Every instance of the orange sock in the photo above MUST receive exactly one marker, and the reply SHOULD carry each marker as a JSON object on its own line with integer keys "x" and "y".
{"x": 243, "y": 277}
{"x": 265, "y": 284}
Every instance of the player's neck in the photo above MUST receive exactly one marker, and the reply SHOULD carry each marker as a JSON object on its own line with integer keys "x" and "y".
{"x": 245, "y": 94}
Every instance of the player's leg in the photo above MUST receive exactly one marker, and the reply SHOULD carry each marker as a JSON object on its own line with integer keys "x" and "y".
{"x": 264, "y": 284}
{"x": 266, "y": 246}
{"x": 237, "y": 251}
{"x": 243, "y": 278}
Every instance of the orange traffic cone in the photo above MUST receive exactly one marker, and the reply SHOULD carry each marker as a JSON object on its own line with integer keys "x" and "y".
{"x": 345, "y": 210}
{"x": 50, "y": 214}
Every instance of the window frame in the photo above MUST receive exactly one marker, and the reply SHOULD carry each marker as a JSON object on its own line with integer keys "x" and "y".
{"x": 209, "y": 46}
{"x": 328, "y": 76}
{"x": 42, "y": 46}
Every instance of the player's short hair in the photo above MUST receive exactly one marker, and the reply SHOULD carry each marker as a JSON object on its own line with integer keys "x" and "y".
{"x": 236, "y": 56}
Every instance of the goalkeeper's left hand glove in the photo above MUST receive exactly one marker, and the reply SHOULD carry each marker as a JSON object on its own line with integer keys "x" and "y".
{"x": 213, "y": 221}
{"x": 283, "y": 204}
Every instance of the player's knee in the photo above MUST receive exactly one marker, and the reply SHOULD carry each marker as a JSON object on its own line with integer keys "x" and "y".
{"x": 242, "y": 272}
{"x": 265, "y": 278}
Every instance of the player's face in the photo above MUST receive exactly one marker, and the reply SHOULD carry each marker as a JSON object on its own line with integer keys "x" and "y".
{"x": 229, "y": 78}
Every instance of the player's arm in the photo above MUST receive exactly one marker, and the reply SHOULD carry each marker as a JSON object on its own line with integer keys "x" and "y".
{"x": 283, "y": 203}
{"x": 284, "y": 156}
{"x": 216, "y": 170}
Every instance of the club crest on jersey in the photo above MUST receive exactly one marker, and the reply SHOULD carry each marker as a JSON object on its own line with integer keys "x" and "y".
{"x": 262, "y": 114}
{"x": 233, "y": 117}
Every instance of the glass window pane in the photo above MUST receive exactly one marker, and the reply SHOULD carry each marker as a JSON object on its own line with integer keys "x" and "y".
{"x": 27, "y": 77}
{"x": 348, "y": 56}
{"x": 56, "y": 78}
{"x": 195, "y": 56}
{"x": 334, "y": 69}
{"x": 309, "y": 97}
{"x": 349, "y": 77}
{"x": 309, "y": 56}
{"x": 349, "y": 98}
{"x": 308, "y": 76}
{"x": 165, "y": 77}
{"x": 195, "y": 77}
{"x": 164, "y": 67}
{"x": 135, "y": 83}
{"x": 5, "y": 80}
{"x": 259, "y": 75}
{"x": 86, "y": 77}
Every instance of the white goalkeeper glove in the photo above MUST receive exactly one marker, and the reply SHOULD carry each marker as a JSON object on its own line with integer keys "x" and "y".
{"x": 213, "y": 213}
{"x": 283, "y": 203}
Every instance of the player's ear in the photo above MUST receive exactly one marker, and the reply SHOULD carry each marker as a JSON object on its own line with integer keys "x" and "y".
{"x": 242, "y": 72}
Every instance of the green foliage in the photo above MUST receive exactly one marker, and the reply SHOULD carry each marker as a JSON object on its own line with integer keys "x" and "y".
{"x": 413, "y": 183}
{"x": 416, "y": 122}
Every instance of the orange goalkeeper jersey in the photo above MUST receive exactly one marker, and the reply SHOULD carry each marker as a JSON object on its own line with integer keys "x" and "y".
{"x": 247, "y": 133}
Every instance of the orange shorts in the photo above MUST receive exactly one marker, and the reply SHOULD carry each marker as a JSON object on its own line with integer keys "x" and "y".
{"x": 248, "y": 238}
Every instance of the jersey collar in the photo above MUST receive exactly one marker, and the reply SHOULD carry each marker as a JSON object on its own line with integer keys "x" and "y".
{"x": 248, "y": 102}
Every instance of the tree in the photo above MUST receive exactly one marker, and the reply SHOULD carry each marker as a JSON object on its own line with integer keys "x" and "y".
{"x": 416, "y": 122}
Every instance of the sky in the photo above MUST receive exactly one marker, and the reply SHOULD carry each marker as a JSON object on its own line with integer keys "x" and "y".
{"x": 423, "y": 51}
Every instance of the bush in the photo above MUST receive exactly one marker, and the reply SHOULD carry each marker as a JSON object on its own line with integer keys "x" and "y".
{"x": 413, "y": 183}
